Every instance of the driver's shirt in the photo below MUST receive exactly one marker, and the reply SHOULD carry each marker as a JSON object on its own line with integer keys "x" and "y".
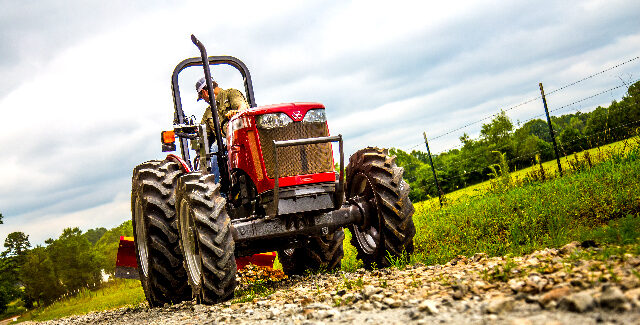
{"x": 226, "y": 100}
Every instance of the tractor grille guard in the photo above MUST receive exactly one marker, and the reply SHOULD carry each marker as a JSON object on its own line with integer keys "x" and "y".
{"x": 298, "y": 160}
{"x": 339, "y": 195}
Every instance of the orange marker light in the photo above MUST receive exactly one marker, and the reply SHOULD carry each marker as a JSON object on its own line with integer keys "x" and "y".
{"x": 168, "y": 137}
{"x": 253, "y": 147}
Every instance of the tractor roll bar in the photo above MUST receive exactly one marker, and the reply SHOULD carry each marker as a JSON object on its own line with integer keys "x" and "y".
{"x": 215, "y": 60}
{"x": 179, "y": 116}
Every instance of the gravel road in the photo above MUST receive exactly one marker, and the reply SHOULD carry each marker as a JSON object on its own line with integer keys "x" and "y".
{"x": 552, "y": 286}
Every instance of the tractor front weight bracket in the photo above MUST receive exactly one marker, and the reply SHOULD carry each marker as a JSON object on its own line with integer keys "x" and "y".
{"x": 245, "y": 230}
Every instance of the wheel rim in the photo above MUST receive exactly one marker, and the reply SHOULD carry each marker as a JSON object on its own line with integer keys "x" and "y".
{"x": 368, "y": 234}
{"x": 141, "y": 238}
{"x": 188, "y": 235}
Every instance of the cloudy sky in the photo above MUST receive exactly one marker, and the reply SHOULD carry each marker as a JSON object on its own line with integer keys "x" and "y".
{"x": 85, "y": 87}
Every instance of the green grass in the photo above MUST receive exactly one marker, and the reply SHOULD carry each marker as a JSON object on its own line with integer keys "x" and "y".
{"x": 622, "y": 231}
{"x": 115, "y": 294}
{"x": 276, "y": 263}
{"x": 550, "y": 167}
{"x": 252, "y": 291}
{"x": 14, "y": 308}
{"x": 575, "y": 207}
{"x": 349, "y": 262}
{"x": 524, "y": 218}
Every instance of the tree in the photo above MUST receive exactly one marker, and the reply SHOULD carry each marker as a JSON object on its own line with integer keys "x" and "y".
{"x": 38, "y": 277}
{"x": 11, "y": 260}
{"x": 571, "y": 141}
{"x": 498, "y": 136}
{"x": 597, "y": 124}
{"x": 93, "y": 235}
{"x": 107, "y": 246}
{"x": 1, "y": 219}
{"x": 409, "y": 162}
{"x": 9, "y": 289}
{"x": 467, "y": 166}
{"x": 498, "y": 129}
{"x": 633, "y": 99}
{"x": 536, "y": 127}
{"x": 528, "y": 146}
{"x": 75, "y": 263}
{"x": 631, "y": 104}
{"x": 16, "y": 244}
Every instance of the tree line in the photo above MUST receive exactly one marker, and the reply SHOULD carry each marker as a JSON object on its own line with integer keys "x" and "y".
{"x": 73, "y": 261}
{"x": 521, "y": 145}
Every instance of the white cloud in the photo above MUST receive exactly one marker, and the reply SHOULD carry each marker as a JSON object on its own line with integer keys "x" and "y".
{"x": 74, "y": 129}
{"x": 47, "y": 225}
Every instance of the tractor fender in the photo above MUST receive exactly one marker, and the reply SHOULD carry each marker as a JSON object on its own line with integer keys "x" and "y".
{"x": 180, "y": 161}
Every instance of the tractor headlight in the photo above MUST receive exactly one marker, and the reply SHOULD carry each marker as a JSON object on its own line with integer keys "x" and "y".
{"x": 273, "y": 120}
{"x": 315, "y": 115}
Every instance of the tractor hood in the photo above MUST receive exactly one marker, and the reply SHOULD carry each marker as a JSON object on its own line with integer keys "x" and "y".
{"x": 296, "y": 111}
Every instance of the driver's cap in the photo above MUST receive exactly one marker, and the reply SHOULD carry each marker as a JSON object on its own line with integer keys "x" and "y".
{"x": 201, "y": 84}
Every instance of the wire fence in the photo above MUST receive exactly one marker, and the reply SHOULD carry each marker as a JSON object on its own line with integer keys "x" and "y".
{"x": 486, "y": 118}
{"x": 538, "y": 98}
{"x": 593, "y": 75}
{"x": 460, "y": 163}
{"x": 533, "y": 153}
{"x": 561, "y": 108}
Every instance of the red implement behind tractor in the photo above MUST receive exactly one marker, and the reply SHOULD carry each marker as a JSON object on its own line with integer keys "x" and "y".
{"x": 127, "y": 264}
{"x": 278, "y": 191}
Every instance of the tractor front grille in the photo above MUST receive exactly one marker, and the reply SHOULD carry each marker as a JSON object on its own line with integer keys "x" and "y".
{"x": 297, "y": 160}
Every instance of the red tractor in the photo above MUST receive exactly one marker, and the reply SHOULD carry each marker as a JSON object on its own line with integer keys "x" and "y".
{"x": 278, "y": 191}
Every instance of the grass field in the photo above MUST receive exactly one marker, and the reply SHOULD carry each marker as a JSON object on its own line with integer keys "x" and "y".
{"x": 520, "y": 219}
{"x": 118, "y": 293}
{"x": 550, "y": 167}
{"x": 528, "y": 217}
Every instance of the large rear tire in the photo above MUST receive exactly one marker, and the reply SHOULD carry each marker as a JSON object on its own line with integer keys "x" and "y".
{"x": 321, "y": 254}
{"x": 373, "y": 176}
{"x": 205, "y": 238}
{"x": 162, "y": 274}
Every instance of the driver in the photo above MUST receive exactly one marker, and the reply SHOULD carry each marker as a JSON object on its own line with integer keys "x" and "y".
{"x": 228, "y": 103}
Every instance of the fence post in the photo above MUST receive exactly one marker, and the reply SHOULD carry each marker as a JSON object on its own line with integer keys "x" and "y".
{"x": 553, "y": 136}
{"x": 440, "y": 194}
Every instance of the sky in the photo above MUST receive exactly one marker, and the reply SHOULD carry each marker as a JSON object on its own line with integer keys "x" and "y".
{"x": 85, "y": 87}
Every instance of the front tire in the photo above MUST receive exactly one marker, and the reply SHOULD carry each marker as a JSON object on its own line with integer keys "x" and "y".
{"x": 162, "y": 274}
{"x": 205, "y": 238}
{"x": 373, "y": 176}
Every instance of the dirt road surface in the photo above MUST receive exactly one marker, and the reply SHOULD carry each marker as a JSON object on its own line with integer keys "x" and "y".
{"x": 552, "y": 286}
{"x": 7, "y": 321}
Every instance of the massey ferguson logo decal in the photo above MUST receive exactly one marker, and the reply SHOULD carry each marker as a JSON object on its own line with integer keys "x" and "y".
{"x": 296, "y": 115}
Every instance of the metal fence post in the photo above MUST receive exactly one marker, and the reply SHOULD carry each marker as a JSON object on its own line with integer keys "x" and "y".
{"x": 553, "y": 136}
{"x": 440, "y": 194}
